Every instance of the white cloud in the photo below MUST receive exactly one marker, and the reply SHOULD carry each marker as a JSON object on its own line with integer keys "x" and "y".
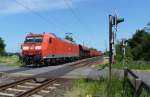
{"x": 12, "y": 7}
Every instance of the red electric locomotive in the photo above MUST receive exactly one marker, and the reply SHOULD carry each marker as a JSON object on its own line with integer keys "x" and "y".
{"x": 47, "y": 48}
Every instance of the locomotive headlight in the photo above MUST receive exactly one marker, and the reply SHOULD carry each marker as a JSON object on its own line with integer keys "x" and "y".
{"x": 38, "y": 47}
{"x": 25, "y": 48}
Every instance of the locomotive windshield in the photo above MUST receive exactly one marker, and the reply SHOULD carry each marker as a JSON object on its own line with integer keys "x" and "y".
{"x": 34, "y": 39}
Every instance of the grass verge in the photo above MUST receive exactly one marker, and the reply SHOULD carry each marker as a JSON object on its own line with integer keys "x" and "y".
{"x": 101, "y": 66}
{"x": 137, "y": 65}
{"x": 10, "y": 61}
{"x": 101, "y": 88}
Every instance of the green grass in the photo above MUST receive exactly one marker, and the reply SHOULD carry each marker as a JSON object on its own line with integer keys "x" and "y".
{"x": 102, "y": 88}
{"x": 138, "y": 65}
{"x": 101, "y": 66}
{"x": 10, "y": 61}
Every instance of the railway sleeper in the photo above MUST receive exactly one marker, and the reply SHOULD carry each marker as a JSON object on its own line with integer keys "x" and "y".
{"x": 51, "y": 87}
{"x": 32, "y": 84}
{"x": 26, "y": 87}
{"x": 16, "y": 90}
{"x": 36, "y": 95}
{"x": 6, "y": 94}
{"x": 44, "y": 91}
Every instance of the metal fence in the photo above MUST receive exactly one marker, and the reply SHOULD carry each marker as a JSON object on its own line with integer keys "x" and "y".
{"x": 139, "y": 87}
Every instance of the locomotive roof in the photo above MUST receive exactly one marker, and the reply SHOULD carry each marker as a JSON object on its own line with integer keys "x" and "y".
{"x": 51, "y": 34}
{"x": 34, "y": 34}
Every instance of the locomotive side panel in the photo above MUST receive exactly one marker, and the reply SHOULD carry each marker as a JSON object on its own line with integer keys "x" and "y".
{"x": 62, "y": 49}
{"x": 46, "y": 46}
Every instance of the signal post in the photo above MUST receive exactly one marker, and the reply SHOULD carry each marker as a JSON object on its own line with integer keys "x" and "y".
{"x": 113, "y": 23}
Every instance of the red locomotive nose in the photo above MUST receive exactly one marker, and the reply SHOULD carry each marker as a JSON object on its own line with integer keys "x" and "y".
{"x": 27, "y": 48}
{"x": 31, "y": 49}
{"x": 31, "y": 46}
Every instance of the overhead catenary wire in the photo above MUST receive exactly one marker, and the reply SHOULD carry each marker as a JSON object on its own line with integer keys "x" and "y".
{"x": 84, "y": 26}
{"x": 75, "y": 15}
{"x": 48, "y": 21}
{"x": 59, "y": 22}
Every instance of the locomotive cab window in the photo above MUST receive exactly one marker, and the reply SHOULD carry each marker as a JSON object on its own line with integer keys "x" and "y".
{"x": 38, "y": 39}
{"x": 29, "y": 39}
{"x": 50, "y": 40}
{"x": 34, "y": 39}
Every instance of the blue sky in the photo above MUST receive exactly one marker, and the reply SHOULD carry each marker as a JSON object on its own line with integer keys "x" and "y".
{"x": 88, "y": 22}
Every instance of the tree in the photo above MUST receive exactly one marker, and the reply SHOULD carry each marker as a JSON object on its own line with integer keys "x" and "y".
{"x": 119, "y": 53}
{"x": 147, "y": 28}
{"x": 2, "y": 46}
{"x": 140, "y": 45}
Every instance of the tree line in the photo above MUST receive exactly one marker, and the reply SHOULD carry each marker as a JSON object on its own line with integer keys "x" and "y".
{"x": 2, "y": 47}
{"x": 138, "y": 47}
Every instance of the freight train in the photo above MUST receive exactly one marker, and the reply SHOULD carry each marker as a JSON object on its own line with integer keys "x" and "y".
{"x": 47, "y": 48}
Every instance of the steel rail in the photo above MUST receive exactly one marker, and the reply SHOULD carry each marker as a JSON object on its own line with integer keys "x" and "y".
{"x": 14, "y": 83}
{"x": 36, "y": 89}
{"x": 86, "y": 62}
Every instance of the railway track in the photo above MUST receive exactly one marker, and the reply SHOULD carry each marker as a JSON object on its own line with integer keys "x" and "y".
{"x": 86, "y": 63}
{"x": 62, "y": 71}
{"x": 29, "y": 87}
